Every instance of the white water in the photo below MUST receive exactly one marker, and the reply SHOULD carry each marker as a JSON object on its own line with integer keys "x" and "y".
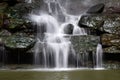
{"x": 54, "y": 43}
{"x": 99, "y": 54}
{"x": 54, "y": 39}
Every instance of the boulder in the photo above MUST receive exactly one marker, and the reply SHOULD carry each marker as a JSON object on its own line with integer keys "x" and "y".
{"x": 19, "y": 42}
{"x": 98, "y": 8}
{"x": 68, "y": 29}
{"x": 92, "y": 21}
{"x": 110, "y": 40}
{"x": 84, "y": 43}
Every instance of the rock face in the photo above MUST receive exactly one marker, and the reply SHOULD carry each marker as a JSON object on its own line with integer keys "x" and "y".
{"x": 4, "y": 33}
{"x": 17, "y": 33}
{"x": 104, "y": 22}
{"x": 98, "y": 8}
{"x": 111, "y": 43}
{"x": 110, "y": 40}
{"x": 84, "y": 43}
{"x": 91, "y": 21}
{"x": 112, "y": 49}
{"x": 108, "y": 28}
{"x": 19, "y": 42}
{"x": 112, "y": 26}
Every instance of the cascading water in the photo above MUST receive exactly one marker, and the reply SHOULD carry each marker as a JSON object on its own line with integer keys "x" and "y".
{"x": 52, "y": 42}
{"x": 99, "y": 54}
{"x": 56, "y": 44}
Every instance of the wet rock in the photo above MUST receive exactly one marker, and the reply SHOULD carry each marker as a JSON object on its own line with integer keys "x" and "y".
{"x": 24, "y": 8}
{"x": 4, "y": 33}
{"x": 98, "y": 8}
{"x": 84, "y": 43}
{"x": 1, "y": 50}
{"x": 19, "y": 42}
{"x": 112, "y": 49}
{"x": 110, "y": 40}
{"x": 14, "y": 25}
{"x": 112, "y": 64}
{"x": 109, "y": 23}
{"x": 112, "y": 26}
{"x": 12, "y": 20}
{"x": 92, "y": 21}
{"x": 68, "y": 29}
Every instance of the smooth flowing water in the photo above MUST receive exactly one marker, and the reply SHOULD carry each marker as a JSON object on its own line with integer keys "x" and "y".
{"x": 52, "y": 42}
{"x": 99, "y": 56}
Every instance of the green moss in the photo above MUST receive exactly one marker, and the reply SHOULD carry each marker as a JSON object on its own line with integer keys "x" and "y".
{"x": 19, "y": 41}
{"x": 85, "y": 43}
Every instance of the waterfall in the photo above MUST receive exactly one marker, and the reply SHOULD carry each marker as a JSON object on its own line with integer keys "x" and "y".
{"x": 53, "y": 46}
{"x": 56, "y": 43}
{"x": 99, "y": 54}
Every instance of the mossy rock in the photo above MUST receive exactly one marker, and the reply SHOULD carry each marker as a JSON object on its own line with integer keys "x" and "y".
{"x": 19, "y": 42}
{"x": 14, "y": 20}
{"x": 112, "y": 23}
{"x": 85, "y": 43}
{"x": 112, "y": 49}
{"x": 3, "y": 35}
{"x": 109, "y": 23}
{"x": 91, "y": 21}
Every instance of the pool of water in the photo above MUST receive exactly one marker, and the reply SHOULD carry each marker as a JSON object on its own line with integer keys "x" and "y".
{"x": 78, "y": 74}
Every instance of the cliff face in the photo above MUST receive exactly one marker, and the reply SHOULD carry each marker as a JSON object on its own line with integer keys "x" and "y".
{"x": 102, "y": 25}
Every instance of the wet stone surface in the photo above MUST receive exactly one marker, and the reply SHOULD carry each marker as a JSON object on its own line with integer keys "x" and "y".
{"x": 84, "y": 43}
{"x": 19, "y": 42}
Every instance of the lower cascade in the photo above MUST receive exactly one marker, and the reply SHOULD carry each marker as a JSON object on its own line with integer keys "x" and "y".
{"x": 54, "y": 48}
